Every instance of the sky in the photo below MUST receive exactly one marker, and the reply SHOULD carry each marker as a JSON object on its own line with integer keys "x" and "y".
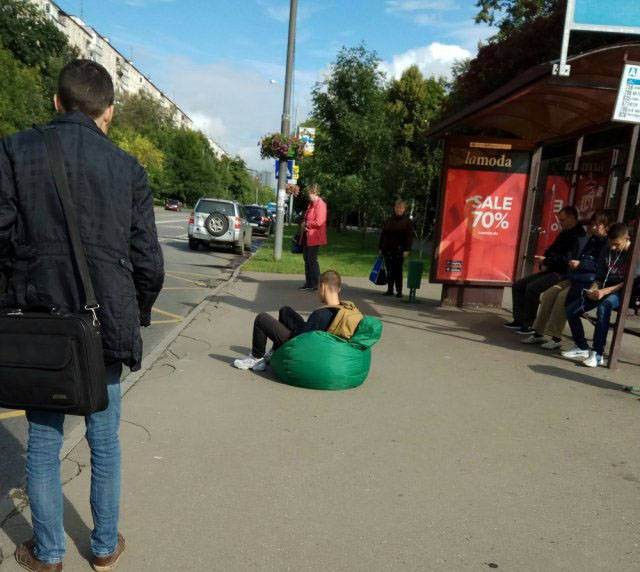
{"x": 223, "y": 61}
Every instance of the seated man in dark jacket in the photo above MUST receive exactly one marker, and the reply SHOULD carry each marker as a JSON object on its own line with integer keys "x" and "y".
{"x": 526, "y": 291}
{"x": 290, "y": 324}
{"x": 605, "y": 295}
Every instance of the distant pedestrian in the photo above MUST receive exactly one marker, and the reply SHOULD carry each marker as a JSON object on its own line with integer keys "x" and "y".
{"x": 313, "y": 236}
{"x": 114, "y": 208}
{"x": 395, "y": 245}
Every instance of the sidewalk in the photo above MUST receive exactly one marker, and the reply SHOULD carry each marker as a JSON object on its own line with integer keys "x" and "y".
{"x": 465, "y": 450}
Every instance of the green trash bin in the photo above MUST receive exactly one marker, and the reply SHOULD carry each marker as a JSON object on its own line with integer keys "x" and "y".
{"x": 414, "y": 278}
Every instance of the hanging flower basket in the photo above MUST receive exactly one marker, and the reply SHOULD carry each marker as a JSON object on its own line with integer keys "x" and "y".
{"x": 278, "y": 146}
{"x": 293, "y": 190}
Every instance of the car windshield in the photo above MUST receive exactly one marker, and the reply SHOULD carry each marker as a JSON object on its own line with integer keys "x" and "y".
{"x": 173, "y": 202}
{"x": 208, "y": 207}
{"x": 255, "y": 211}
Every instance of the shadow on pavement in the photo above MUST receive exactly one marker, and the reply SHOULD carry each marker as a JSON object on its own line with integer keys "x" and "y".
{"x": 577, "y": 376}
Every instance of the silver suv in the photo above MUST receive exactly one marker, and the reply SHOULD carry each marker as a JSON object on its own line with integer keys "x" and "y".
{"x": 217, "y": 221}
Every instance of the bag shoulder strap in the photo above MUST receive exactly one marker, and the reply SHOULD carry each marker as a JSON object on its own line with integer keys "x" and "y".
{"x": 55, "y": 158}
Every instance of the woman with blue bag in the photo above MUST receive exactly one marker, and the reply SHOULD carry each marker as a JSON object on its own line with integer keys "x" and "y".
{"x": 396, "y": 240}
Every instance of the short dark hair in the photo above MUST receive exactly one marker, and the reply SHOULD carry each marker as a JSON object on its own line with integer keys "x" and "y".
{"x": 571, "y": 211}
{"x": 331, "y": 279}
{"x": 86, "y": 86}
{"x": 618, "y": 230}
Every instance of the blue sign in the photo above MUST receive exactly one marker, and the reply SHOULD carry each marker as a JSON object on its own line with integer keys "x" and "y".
{"x": 607, "y": 13}
{"x": 289, "y": 169}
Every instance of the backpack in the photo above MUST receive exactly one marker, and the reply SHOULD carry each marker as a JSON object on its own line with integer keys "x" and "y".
{"x": 346, "y": 322}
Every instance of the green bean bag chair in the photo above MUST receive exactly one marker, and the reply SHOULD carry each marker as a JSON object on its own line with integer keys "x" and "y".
{"x": 320, "y": 360}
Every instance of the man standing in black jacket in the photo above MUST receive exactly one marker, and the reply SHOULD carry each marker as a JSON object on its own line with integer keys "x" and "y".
{"x": 526, "y": 291}
{"x": 114, "y": 207}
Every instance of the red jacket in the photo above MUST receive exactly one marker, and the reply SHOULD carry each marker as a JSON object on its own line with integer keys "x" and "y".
{"x": 315, "y": 220}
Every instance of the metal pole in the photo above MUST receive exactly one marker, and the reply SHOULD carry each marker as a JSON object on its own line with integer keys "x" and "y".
{"x": 563, "y": 69}
{"x": 285, "y": 128}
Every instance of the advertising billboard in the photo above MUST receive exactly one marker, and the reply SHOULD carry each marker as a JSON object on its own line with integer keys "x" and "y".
{"x": 484, "y": 194}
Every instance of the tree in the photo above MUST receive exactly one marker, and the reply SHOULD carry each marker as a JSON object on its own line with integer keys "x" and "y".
{"x": 413, "y": 103}
{"x": 148, "y": 154}
{"x": 353, "y": 139}
{"x": 510, "y": 15}
{"x": 21, "y": 99}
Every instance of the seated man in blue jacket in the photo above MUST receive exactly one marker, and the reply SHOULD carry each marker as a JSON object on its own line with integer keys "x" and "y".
{"x": 290, "y": 324}
{"x": 526, "y": 291}
{"x": 605, "y": 295}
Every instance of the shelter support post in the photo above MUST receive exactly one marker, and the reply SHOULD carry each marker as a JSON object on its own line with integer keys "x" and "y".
{"x": 616, "y": 343}
{"x": 527, "y": 219}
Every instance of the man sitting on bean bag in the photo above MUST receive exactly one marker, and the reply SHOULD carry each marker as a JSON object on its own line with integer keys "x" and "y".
{"x": 336, "y": 317}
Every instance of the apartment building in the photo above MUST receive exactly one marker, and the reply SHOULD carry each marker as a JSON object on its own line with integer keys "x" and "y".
{"x": 92, "y": 45}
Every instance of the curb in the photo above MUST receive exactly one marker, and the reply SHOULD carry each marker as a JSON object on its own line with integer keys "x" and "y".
{"x": 8, "y": 508}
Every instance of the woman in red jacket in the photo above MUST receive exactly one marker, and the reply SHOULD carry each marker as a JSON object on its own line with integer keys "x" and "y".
{"x": 314, "y": 235}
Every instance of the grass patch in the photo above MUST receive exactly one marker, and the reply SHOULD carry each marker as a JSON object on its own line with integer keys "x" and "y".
{"x": 345, "y": 253}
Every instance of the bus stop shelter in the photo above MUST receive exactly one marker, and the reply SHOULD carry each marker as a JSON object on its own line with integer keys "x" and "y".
{"x": 515, "y": 158}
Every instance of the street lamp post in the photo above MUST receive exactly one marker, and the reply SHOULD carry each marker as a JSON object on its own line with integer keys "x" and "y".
{"x": 285, "y": 128}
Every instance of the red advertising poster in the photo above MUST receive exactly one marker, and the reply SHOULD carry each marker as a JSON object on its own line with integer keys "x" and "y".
{"x": 481, "y": 215}
{"x": 556, "y": 197}
{"x": 593, "y": 180}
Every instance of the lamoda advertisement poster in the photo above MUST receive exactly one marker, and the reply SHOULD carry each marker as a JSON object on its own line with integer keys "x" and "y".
{"x": 484, "y": 195}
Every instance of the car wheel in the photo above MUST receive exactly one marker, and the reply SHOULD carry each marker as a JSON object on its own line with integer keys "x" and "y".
{"x": 194, "y": 244}
{"x": 217, "y": 224}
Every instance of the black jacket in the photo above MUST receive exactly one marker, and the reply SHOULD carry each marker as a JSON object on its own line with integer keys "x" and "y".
{"x": 586, "y": 272}
{"x": 397, "y": 235}
{"x": 567, "y": 246}
{"x": 115, "y": 214}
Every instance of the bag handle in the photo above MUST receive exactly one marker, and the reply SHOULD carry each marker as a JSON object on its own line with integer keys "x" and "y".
{"x": 55, "y": 157}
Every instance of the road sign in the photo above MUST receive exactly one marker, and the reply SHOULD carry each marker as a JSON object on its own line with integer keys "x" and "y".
{"x": 628, "y": 103}
{"x": 612, "y": 16}
{"x": 293, "y": 171}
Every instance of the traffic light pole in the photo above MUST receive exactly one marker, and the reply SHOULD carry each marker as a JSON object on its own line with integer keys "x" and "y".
{"x": 285, "y": 129}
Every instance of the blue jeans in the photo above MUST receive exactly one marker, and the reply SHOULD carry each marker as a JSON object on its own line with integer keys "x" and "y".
{"x": 44, "y": 485}
{"x": 605, "y": 307}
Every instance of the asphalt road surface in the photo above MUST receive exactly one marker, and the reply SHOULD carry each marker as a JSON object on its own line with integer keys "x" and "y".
{"x": 190, "y": 278}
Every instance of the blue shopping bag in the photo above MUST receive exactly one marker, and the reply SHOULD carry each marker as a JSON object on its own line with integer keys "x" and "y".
{"x": 378, "y": 273}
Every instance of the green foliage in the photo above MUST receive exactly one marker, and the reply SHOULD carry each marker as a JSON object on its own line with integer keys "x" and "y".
{"x": 21, "y": 100}
{"x": 511, "y": 15}
{"x": 354, "y": 139}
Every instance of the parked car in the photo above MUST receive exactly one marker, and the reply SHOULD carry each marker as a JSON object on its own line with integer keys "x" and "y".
{"x": 173, "y": 205}
{"x": 218, "y": 221}
{"x": 259, "y": 219}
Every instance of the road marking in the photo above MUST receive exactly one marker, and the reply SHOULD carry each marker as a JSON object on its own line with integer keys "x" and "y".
{"x": 174, "y": 318}
{"x": 11, "y": 415}
{"x": 196, "y": 282}
{"x": 172, "y": 221}
{"x": 186, "y": 288}
{"x": 191, "y": 274}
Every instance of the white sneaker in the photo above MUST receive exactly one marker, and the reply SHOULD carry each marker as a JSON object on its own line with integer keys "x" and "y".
{"x": 246, "y": 363}
{"x": 260, "y": 365}
{"x": 551, "y": 345}
{"x": 533, "y": 339}
{"x": 594, "y": 360}
{"x": 576, "y": 353}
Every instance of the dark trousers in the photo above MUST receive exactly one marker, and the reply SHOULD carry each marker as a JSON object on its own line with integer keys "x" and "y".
{"x": 393, "y": 263}
{"x": 311, "y": 266}
{"x": 526, "y": 295}
{"x": 266, "y": 327}
{"x": 605, "y": 307}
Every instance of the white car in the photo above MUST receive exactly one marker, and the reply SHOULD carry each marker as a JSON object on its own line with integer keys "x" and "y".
{"x": 218, "y": 221}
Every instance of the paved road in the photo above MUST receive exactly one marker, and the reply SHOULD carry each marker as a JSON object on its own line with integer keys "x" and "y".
{"x": 190, "y": 278}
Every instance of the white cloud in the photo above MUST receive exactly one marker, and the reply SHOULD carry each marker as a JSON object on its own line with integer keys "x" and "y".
{"x": 235, "y": 103}
{"x": 418, "y": 5}
{"x": 435, "y": 59}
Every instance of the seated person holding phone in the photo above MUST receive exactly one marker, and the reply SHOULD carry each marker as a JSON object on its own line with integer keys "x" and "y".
{"x": 526, "y": 291}
{"x": 605, "y": 295}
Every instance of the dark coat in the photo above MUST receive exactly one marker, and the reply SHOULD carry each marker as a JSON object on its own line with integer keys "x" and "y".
{"x": 115, "y": 215}
{"x": 567, "y": 246}
{"x": 397, "y": 235}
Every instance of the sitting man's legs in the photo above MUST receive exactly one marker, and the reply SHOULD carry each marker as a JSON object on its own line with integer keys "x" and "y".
{"x": 266, "y": 327}
{"x": 603, "y": 319}
{"x": 518, "y": 294}
{"x": 575, "y": 309}
{"x": 290, "y": 318}
{"x": 534, "y": 289}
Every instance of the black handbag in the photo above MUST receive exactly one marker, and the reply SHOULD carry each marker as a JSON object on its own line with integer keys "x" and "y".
{"x": 49, "y": 360}
{"x": 296, "y": 246}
